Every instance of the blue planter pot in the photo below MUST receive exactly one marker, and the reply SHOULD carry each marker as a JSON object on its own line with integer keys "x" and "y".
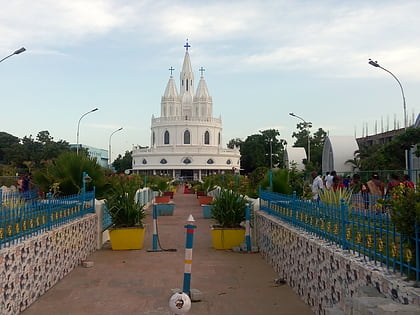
{"x": 206, "y": 211}
{"x": 165, "y": 209}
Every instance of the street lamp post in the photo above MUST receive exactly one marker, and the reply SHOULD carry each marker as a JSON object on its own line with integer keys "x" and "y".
{"x": 16, "y": 52}
{"x": 78, "y": 128}
{"x": 271, "y": 153}
{"x": 307, "y": 124}
{"x": 406, "y": 152}
{"x": 109, "y": 147}
{"x": 376, "y": 64}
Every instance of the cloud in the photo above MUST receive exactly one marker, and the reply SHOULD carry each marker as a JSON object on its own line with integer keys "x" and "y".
{"x": 331, "y": 38}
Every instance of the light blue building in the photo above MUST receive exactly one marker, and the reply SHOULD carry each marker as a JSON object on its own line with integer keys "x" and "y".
{"x": 100, "y": 155}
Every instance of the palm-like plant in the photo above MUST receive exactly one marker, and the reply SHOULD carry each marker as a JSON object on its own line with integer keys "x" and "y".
{"x": 229, "y": 208}
{"x": 121, "y": 203}
{"x": 333, "y": 198}
{"x": 67, "y": 172}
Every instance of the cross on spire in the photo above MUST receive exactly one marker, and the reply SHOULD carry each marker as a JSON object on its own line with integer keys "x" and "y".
{"x": 171, "y": 69}
{"x": 201, "y": 70}
{"x": 187, "y": 45}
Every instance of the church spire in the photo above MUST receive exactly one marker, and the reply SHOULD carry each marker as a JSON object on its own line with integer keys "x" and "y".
{"x": 187, "y": 76}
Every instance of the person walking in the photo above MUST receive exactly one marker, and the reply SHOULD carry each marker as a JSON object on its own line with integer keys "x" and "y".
{"x": 317, "y": 184}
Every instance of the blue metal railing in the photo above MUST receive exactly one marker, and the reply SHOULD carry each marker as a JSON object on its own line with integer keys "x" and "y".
{"x": 22, "y": 218}
{"x": 365, "y": 231}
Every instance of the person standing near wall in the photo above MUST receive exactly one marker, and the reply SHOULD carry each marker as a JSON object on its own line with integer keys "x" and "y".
{"x": 329, "y": 179}
{"x": 317, "y": 184}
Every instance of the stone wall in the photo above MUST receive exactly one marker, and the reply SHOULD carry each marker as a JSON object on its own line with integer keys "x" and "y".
{"x": 30, "y": 268}
{"x": 321, "y": 273}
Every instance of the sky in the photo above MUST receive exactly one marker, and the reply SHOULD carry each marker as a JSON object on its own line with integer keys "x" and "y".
{"x": 263, "y": 60}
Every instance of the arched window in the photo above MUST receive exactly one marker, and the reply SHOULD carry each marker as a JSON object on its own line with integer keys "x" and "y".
{"x": 144, "y": 161}
{"x": 210, "y": 161}
{"x": 153, "y": 138}
{"x": 219, "y": 138}
{"x": 207, "y": 137}
{"x": 228, "y": 162}
{"x": 187, "y": 137}
{"x": 163, "y": 161}
{"x": 187, "y": 161}
{"x": 166, "y": 137}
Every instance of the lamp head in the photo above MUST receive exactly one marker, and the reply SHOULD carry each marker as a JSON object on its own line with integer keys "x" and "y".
{"x": 374, "y": 63}
{"x": 20, "y": 50}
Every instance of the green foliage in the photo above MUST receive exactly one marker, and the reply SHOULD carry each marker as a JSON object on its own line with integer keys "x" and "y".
{"x": 280, "y": 180}
{"x": 234, "y": 142}
{"x": 316, "y": 142}
{"x": 15, "y": 151}
{"x": 333, "y": 198}
{"x": 229, "y": 208}
{"x": 404, "y": 205}
{"x": 262, "y": 150}
{"x": 390, "y": 155}
{"x": 121, "y": 203}
{"x": 67, "y": 171}
{"x": 123, "y": 163}
{"x": 296, "y": 180}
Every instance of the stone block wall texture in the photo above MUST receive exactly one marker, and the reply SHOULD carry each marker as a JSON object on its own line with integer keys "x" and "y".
{"x": 30, "y": 268}
{"x": 323, "y": 274}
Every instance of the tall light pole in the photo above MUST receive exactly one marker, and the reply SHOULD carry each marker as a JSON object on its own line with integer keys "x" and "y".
{"x": 306, "y": 124}
{"x": 109, "y": 146}
{"x": 376, "y": 64}
{"x": 16, "y": 52}
{"x": 78, "y": 128}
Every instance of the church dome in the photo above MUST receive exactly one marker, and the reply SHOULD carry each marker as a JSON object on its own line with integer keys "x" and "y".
{"x": 202, "y": 91}
{"x": 171, "y": 91}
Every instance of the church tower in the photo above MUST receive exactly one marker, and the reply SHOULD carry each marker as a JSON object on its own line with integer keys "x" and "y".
{"x": 186, "y": 140}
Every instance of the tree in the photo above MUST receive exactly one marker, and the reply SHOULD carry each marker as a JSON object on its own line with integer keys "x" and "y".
{"x": 316, "y": 145}
{"x": 6, "y": 142}
{"x": 262, "y": 150}
{"x": 355, "y": 162}
{"x": 253, "y": 153}
{"x": 123, "y": 163}
{"x": 234, "y": 142}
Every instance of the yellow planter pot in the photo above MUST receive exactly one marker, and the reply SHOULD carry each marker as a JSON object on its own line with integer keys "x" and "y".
{"x": 126, "y": 238}
{"x": 227, "y": 238}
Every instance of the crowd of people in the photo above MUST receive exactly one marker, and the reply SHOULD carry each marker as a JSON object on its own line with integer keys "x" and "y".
{"x": 369, "y": 192}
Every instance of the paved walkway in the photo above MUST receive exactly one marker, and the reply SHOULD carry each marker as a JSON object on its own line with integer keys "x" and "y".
{"x": 140, "y": 282}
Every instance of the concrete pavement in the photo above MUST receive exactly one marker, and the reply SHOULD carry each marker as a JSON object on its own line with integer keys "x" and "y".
{"x": 140, "y": 282}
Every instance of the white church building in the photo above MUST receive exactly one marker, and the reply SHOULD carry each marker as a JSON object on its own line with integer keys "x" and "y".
{"x": 186, "y": 140}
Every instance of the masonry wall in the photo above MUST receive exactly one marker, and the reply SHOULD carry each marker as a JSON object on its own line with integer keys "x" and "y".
{"x": 322, "y": 274}
{"x": 30, "y": 268}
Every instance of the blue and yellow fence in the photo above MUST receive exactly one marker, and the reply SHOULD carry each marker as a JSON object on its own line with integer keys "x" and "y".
{"x": 22, "y": 218}
{"x": 370, "y": 234}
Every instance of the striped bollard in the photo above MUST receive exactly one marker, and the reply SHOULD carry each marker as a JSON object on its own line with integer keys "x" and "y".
{"x": 248, "y": 228}
{"x": 155, "y": 239}
{"x": 188, "y": 255}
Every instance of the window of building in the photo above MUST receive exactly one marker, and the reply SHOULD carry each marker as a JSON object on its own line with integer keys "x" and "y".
{"x": 210, "y": 161}
{"x": 187, "y": 161}
{"x": 228, "y": 162}
{"x": 144, "y": 161}
{"x": 166, "y": 137}
{"x": 207, "y": 137}
{"x": 153, "y": 138}
{"x": 187, "y": 137}
{"x": 163, "y": 161}
{"x": 219, "y": 139}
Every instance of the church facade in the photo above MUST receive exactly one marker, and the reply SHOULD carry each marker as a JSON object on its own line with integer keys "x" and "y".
{"x": 186, "y": 140}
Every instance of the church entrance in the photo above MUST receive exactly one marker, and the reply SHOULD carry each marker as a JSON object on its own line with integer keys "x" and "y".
{"x": 187, "y": 174}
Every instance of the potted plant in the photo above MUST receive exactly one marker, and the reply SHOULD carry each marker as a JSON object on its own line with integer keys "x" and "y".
{"x": 127, "y": 230}
{"x": 228, "y": 211}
